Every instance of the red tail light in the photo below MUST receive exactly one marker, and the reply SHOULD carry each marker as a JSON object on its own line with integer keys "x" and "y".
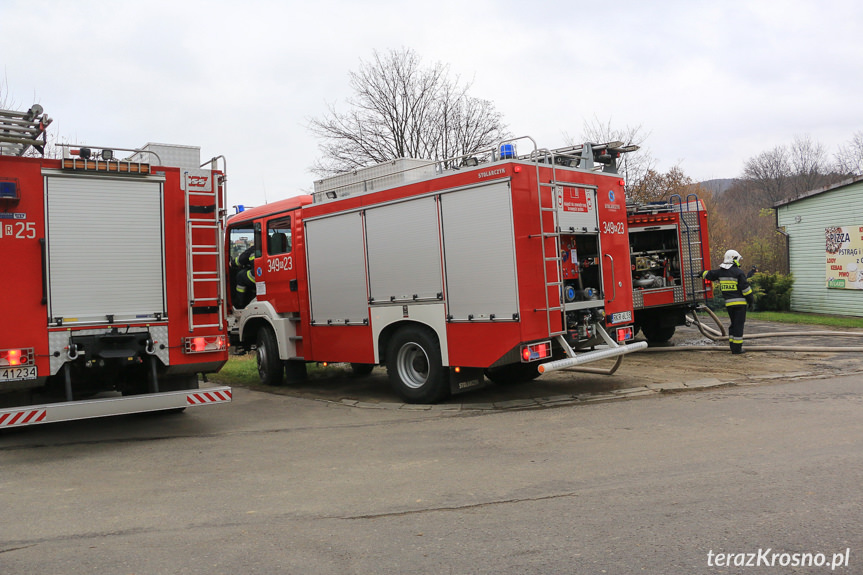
{"x": 202, "y": 344}
{"x": 624, "y": 333}
{"x": 17, "y": 357}
{"x": 535, "y": 351}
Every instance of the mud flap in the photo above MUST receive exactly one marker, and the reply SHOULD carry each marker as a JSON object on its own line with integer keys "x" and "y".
{"x": 466, "y": 378}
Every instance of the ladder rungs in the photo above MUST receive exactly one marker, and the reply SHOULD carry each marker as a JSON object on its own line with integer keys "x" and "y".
{"x": 197, "y": 325}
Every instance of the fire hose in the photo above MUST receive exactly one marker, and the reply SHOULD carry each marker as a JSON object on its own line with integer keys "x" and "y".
{"x": 722, "y": 335}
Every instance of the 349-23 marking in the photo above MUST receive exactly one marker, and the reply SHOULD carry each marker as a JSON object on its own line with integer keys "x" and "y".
{"x": 280, "y": 264}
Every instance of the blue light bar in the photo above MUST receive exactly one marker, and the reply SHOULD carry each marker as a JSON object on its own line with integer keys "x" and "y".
{"x": 9, "y": 190}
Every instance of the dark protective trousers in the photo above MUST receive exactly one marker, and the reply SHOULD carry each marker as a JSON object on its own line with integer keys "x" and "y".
{"x": 737, "y": 314}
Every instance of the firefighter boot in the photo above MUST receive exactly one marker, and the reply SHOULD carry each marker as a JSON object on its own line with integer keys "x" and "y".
{"x": 736, "y": 348}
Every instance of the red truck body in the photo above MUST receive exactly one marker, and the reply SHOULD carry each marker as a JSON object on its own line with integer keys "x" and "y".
{"x": 104, "y": 293}
{"x": 502, "y": 268}
{"x": 669, "y": 249}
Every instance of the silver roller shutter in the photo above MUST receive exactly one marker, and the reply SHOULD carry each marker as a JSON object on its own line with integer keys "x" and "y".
{"x": 479, "y": 248}
{"x": 105, "y": 248}
{"x": 337, "y": 270}
{"x": 404, "y": 251}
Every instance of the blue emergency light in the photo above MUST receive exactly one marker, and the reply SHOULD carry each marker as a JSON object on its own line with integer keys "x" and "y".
{"x": 8, "y": 190}
{"x": 507, "y": 151}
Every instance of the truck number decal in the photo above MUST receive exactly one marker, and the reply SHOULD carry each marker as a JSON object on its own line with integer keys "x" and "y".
{"x": 613, "y": 227}
{"x": 280, "y": 264}
{"x": 19, "y": 230}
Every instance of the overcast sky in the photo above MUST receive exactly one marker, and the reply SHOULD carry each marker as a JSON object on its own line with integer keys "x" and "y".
{"x": 713, "y": 82}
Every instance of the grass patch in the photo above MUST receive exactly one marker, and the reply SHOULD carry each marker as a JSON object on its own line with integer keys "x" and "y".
{"x": 807, "y": 318}
{"x": 242, "y": 370}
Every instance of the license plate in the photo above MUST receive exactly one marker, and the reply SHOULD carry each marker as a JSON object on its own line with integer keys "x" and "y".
{"x": 621, "y": 317}
{"x": 17, "y": 373}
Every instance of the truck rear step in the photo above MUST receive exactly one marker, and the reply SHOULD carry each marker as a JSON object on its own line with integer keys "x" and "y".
{"x": 73, "y": 410}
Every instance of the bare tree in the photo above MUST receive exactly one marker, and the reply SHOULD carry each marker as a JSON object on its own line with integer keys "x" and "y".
{"x": 768, "y": 174}
{"x": 6, "y": 102}
{"x": 784, "y": 172}
{"x": 849, "y": 160}
{"x": 634, "y": 166}
{"x": 809, "y": 165}
{"x": 402, "y": 109}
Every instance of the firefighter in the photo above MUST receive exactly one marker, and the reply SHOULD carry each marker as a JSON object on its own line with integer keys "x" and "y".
{"x": 737, "y": 293}
{"x": 244, "y": 284}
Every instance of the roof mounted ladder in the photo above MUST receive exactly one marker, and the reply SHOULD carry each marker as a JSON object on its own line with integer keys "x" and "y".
{"x": 19, "y": 131}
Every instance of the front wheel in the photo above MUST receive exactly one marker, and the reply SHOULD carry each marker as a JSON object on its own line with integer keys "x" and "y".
{"x": 414, "y": 366}
{"x": 270, "y": 367}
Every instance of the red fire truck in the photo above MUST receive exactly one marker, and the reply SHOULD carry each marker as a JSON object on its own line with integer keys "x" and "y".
{"x": 669, "y": 249}
{"x": 112, "y": 296}
{"x": 496, "y": 264}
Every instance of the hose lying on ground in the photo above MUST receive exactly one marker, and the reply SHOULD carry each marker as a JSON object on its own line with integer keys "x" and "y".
{"x": 722, "y": 336}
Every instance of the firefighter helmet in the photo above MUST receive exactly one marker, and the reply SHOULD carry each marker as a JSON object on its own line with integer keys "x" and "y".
{"x": 732, "y": 257}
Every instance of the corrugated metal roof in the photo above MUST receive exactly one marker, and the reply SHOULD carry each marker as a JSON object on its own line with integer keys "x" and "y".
{"x": 816, "y": 191}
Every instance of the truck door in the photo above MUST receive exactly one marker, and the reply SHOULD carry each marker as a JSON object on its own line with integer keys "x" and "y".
{"x": 276, "y": 274}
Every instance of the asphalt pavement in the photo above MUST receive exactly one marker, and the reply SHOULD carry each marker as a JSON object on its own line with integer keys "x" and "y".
{"x": 284, "y": 484}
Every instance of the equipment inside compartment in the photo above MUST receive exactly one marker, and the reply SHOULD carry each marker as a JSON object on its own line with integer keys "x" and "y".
{"x": 654, "y": 258}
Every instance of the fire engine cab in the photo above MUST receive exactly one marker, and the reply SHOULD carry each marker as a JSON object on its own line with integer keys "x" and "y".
{"x": 669, "y": 249}
{"x": 112, "y": 294}
{"x": 498, "y": 265}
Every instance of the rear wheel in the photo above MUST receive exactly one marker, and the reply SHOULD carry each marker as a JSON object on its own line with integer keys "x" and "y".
{"x": 657, "y": 334}
{"x": 270, "y": 367}
{"x": 414, "y": 366}
{"x": 513, "y": 373}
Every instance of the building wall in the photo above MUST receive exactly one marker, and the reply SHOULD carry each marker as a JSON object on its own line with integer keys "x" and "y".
{"x": 807, "y": 256}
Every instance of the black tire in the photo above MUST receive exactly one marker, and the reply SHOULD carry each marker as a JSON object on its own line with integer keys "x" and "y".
{"x": 513, "y": 373}
{"x": 414, "y": 366}
{"x": 270, "y": 368}
{"x": 362, "y": 369}
{"x": 657, "y": 334}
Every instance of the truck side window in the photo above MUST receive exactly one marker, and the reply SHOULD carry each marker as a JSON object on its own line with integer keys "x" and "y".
{"x": 241, "y": 240}
{"x": 279, "y": 236}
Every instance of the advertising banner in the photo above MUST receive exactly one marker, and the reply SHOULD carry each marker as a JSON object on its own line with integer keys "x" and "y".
{"x": 844, "y": 247}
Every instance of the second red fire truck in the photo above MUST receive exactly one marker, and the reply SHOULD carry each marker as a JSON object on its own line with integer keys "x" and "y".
{"x": 500, "y": 265}
{"x": 669, "y": 249}
{"x": 112, "y": 295}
